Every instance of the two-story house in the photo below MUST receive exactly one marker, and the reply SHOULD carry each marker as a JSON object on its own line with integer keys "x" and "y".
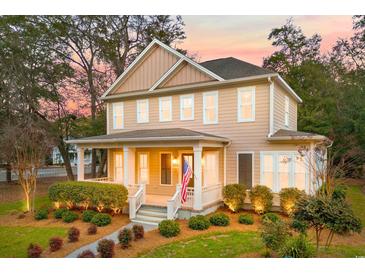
{"x": 232, "y": 121}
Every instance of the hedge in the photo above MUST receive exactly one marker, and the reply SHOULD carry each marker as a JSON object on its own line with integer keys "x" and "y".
{"x": 89, "y": 195}
{"x": 234, "y": 196}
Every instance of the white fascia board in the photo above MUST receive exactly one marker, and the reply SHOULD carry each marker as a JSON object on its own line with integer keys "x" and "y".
{"x": 167, "y": 74}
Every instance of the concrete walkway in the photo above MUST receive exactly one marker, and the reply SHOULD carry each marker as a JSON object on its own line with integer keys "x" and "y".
{"x": 113, "y": 236}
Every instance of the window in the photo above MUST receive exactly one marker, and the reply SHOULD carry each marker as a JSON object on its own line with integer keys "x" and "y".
{"x": 283, "y": 169}
{"x": 187, "y": 107}
{"x": 143, "y": 169}
{"x": 118, "y": 116}
{"x": 210, "y": 107}
{"x": 142, "y": 111}
{"x": 245, "y": 168}
{"x": 246, "y": 104}
{"x": 165, "y": 163}
{"x": 118, "y": 167}
{"x": 211, "y": 168}
{"x": 286, "y": 117}
{"x": 165, "y": 109}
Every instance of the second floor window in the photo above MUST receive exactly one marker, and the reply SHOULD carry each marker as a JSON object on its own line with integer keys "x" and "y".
{"x": 118, "y": 115}
{"x": 187, "y": 107}
{"x": 165, "y": 109}
{"x": 246, "y": 104}
{"x": 210, "y": 107}
{"x": 286, "y": 118}
{"x": 142, "y": 111}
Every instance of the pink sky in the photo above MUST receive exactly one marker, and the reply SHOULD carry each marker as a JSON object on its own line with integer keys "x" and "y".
{"x": 245, "y": 37}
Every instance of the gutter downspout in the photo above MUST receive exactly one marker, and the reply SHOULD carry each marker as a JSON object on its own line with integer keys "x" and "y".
{"x": 225, "y": 163}
{"x": 271, "y": 108}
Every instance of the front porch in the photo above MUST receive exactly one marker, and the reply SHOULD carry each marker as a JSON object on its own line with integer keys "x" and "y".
{"x": 152, "y": 172}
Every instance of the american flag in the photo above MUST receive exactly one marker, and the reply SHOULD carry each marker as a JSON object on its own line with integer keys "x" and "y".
{"x": 187, "y": 172}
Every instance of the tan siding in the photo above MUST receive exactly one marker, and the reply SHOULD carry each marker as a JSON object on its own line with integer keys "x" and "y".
{"x": 185, "y": 75}
{"x": 244, "y": 136}
{"x": 279, "y": 110}
{"x": 149, "y": 71}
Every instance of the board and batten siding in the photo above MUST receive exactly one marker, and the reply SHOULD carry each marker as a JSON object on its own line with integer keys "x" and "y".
{"x": 279, "y": 110}
{"x": 245, "y": 136}
{"x": 148, "y": 71}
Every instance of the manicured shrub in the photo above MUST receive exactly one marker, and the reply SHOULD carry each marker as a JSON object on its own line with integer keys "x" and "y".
{"x": 34, "y": 251}
{"x": 219, "y": 219}
{"x": 86, "y": 254}
{"x": 297, "y": 247}
{"x": 169, "y": 228}
{"x": 125, "y": 237}
{"x": 234, "y": 196}
{"x": 92, "y": 229}
{"x": 106, "y": 248}
{"x": 245, "y": 219}
{"x": 73, "y": 234}
{"x": 58, "y": 213}
{"x": 69, "y": 216}
{"x": 299, "y": 226}
{"x": 138, "y": 232}
{"x": 41, "y": 214}
{"x": 101, "y": 219}
{"x": 55, "y": 244}
{"x": 288, "y": 199}
{"x": 100, "y": 196}
{"x": 87, "y": 215}
{"x": 261, "y": 199}
{"x": 199, "y": 222}
{"x": 274, "y": 234}
{"x": 270, "y": 217}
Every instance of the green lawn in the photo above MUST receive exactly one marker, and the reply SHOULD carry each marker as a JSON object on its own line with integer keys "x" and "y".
{"x": 344, "y": 251}
{"x": 211, "y": 245}
{"x": 357, "y": 199}
{"x": 6, "y": 208}
{"x": 15, "y": 240}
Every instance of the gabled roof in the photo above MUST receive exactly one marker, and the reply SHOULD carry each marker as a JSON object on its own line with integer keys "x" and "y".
{"x": 162, "y": 134}
{"x": 145, "y": 52}
{"x": 232, "y": 68}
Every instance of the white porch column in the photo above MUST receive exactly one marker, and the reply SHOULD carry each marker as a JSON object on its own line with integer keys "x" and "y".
{"x": 132, "y": 160}
{"x": 198, "y": 178}
{"x": 126, "y": 166}
{"x": 80, "y": 164}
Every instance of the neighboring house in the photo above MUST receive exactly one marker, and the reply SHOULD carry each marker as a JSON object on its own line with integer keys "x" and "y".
{"x": 57, "y": 158}
{"x": 234, "y": 122}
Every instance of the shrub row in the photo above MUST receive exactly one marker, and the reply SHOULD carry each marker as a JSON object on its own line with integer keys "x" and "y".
{"x": 87, "y": 194}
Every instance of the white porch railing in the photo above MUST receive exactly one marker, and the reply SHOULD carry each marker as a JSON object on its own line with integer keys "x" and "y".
{"x": 108, "y": 180}
{"x": 174, "y": 204}
{"x": 136, "y": 200}
{"x": 211, "y": 194}
{"x": 190, "y": 198}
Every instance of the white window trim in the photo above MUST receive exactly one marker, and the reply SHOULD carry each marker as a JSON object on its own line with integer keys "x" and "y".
{"x": 205, "y": 94}
{"x": 286, "y": 111}
{"x": 182, "y": 97}
{"x": 253, "y": 165}
{"x": 240, "y": 91}
{"x": 114, "y": 116}
{"x": 160, "y": 108}
{"x": 172, "y": 168}
{"x": 276, "y": 183}
{"x": 148, "y": 166}
{"x": 138, "y": 112}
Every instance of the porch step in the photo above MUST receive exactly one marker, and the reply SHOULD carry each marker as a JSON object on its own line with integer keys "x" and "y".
{"x": 151, "y": 214}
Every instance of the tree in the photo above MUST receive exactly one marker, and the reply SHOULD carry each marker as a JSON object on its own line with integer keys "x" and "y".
{"x": 26, "y": 143}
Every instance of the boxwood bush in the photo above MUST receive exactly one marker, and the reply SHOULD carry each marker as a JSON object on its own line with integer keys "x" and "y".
{"x": 58, "y": 213}
{"x": 69, "y": 216}
{"x": 101, "y": 219}
{"x": 261, "y": 199}
{"x": 245, "y": 219}
{"x": 234, "y": 196}
{"x": 219, "y": 219}
{"x": 169, "y": 228}
{"x": 87, "y": 194}
{"x": 87, "y": 215}
{"x": 288, "y": 199}
{"x": 41, "y": 214}
{"x": 270, "y": 217}
{"x": 199, "y": 222}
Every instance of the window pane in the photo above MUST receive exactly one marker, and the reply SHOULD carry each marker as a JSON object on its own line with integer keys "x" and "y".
{"x": 118, "y": 121}
{"x": 210, "y": 101}
{"x": 246, "y": 98}
{"x": 268, "y": 176}
{"x": 165, "y": 109}
{"x": 284, "y": 162}
{"x": 299, "y": 175}
{"x": 246, "y": 112}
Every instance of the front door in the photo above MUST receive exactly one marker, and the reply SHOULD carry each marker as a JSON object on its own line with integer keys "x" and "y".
{"x": 189, "y": 157}
{"x": 118, "y": 166}
{"x": 245, "y": 169}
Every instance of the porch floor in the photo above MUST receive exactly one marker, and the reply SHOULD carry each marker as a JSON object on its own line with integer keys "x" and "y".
{"x": 157, "y": 200}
